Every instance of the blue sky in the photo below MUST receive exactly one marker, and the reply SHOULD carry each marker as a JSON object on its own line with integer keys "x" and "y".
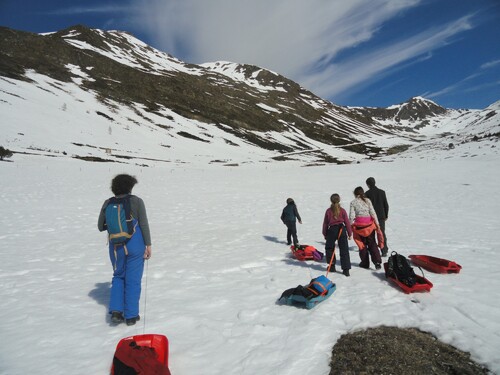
{"x": 355, "y": 52}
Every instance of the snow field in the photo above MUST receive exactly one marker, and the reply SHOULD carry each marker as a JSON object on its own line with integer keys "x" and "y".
{"x": 220, "y": 263}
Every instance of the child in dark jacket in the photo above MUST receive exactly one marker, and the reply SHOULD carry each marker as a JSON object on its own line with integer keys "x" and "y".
{"x": 335, "y": 225}
{"x": 289, "y": 216}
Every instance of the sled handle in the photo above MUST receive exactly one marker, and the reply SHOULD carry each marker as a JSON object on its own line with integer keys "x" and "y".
{"x": 333, "y": 253}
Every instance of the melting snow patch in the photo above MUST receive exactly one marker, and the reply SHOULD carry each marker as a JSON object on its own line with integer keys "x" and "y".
{"x": 75, "y": 70}
{"x": 267, "y": 108}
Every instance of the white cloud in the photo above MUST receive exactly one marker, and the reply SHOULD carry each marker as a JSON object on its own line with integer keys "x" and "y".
{"x": 283, "y": 35}
{"x": 467, "y": 84}
{"x": 490, "y": 64}
{"x": 299, "y": 39}
{"x": 104, "y": 9}
{"x": 366, "y": 67}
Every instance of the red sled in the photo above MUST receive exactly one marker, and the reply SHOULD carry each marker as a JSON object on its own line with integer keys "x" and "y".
{"x": 146, "y": 354}
{"x": 306, "y": 252}
{"x": 434, "y": 264}
{"x": 422, "y": 284}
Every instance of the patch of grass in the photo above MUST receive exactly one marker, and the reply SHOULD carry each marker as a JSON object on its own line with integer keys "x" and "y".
{"x": 391, "y": 350}
{"x": 397, "y": 149}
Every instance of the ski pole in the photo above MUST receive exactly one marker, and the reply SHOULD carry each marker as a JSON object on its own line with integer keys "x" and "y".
{"x": 333, "y": 253}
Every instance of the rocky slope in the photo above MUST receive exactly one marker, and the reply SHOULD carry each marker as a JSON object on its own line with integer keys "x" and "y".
{"x": 128, "y": 83}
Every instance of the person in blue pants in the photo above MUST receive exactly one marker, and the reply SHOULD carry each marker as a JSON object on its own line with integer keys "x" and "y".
{"x": 127, "y": 259}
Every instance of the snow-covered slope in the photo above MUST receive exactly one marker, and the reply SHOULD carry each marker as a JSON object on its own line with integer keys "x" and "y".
{"x": 107, "y": 96}
{"x": 54, "y": 118}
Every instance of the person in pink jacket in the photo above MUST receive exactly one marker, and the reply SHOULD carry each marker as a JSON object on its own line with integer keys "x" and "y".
{"x": 365, "y": 224}
{"x": 336, "y": 227}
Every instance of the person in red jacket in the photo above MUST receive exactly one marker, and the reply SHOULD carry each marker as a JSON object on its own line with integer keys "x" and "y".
{"x": 336, "y": 227}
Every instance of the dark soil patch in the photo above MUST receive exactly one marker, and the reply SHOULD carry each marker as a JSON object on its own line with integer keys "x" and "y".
{"x": 191, "y": 136}
{"x": 94, "y": 158}
{"x": 391, "y": 350}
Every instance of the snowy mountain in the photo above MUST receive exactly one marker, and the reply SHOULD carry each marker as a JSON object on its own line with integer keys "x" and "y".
{"x": 107, "y": 96}
{"x": 82, "y": 94}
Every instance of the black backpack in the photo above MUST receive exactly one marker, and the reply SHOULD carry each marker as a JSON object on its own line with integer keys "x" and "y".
{"x": 399, "y": 268}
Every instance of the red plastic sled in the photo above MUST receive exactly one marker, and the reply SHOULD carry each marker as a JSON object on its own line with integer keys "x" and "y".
{"x": 434, "y": 264}
{"x": 306, "y": 252}
{"x": 158, "y": 342}
{"x": 422, "y": 284}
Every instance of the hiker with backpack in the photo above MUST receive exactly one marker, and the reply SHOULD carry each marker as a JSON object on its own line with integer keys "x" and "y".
{"x": 124, "y": 217}
{"x": 289, "y": 216}
{"x": 365, "y": 226}
{"x": 335, "y": 225}
{"x": 379, "y": 201}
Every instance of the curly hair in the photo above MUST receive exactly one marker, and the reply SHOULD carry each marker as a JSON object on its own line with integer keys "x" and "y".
{"x": 123, "y": 184}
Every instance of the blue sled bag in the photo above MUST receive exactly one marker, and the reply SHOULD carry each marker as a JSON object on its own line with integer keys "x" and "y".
{"x": 320, "y": 285}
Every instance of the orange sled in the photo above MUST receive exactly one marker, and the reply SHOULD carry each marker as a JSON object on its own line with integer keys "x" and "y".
{"x": 141, "y": 354}
{"x": 434, "y": 264}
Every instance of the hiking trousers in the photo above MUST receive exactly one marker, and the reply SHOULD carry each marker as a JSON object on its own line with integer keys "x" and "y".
{"x": 291, "y": 232}
{"x": 331, "y": 237}
{"x": 370, "y": 250}
{"x": 382, "y": 228}
{"x": 127, "y": 275}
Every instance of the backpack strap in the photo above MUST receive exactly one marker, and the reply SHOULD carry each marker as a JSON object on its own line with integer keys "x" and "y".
{"x": 312, "y": 290}
{"x": 321, "y": 286}
{"x": 116, "y": 254}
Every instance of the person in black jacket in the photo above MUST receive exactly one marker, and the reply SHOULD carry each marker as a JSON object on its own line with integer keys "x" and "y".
{"x": 289, "y": 216}
{"x": 379, "y": 200}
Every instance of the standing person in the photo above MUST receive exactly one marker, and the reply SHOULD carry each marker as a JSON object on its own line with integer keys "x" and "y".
{"x": 289, "y": 216}
{"x": 365, "y": 224}
{"x": 379, "y": 201}
{"x": 335, "y": 223}
{"x": 127, "y": 259}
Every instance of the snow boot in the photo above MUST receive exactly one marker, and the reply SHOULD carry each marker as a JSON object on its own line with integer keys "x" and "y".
{"x": 116, "y": 317}
{"x": 132, "y": 321}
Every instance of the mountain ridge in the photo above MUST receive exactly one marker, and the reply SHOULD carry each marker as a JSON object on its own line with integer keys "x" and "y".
{"x": 257, "y": 106}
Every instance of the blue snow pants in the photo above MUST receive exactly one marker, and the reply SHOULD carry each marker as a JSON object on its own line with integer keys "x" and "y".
{"x": 127, "y": 275}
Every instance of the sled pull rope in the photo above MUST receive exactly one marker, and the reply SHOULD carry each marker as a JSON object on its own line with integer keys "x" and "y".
{"x": 333, "y": 252}
{"x": 145, "y": 297}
